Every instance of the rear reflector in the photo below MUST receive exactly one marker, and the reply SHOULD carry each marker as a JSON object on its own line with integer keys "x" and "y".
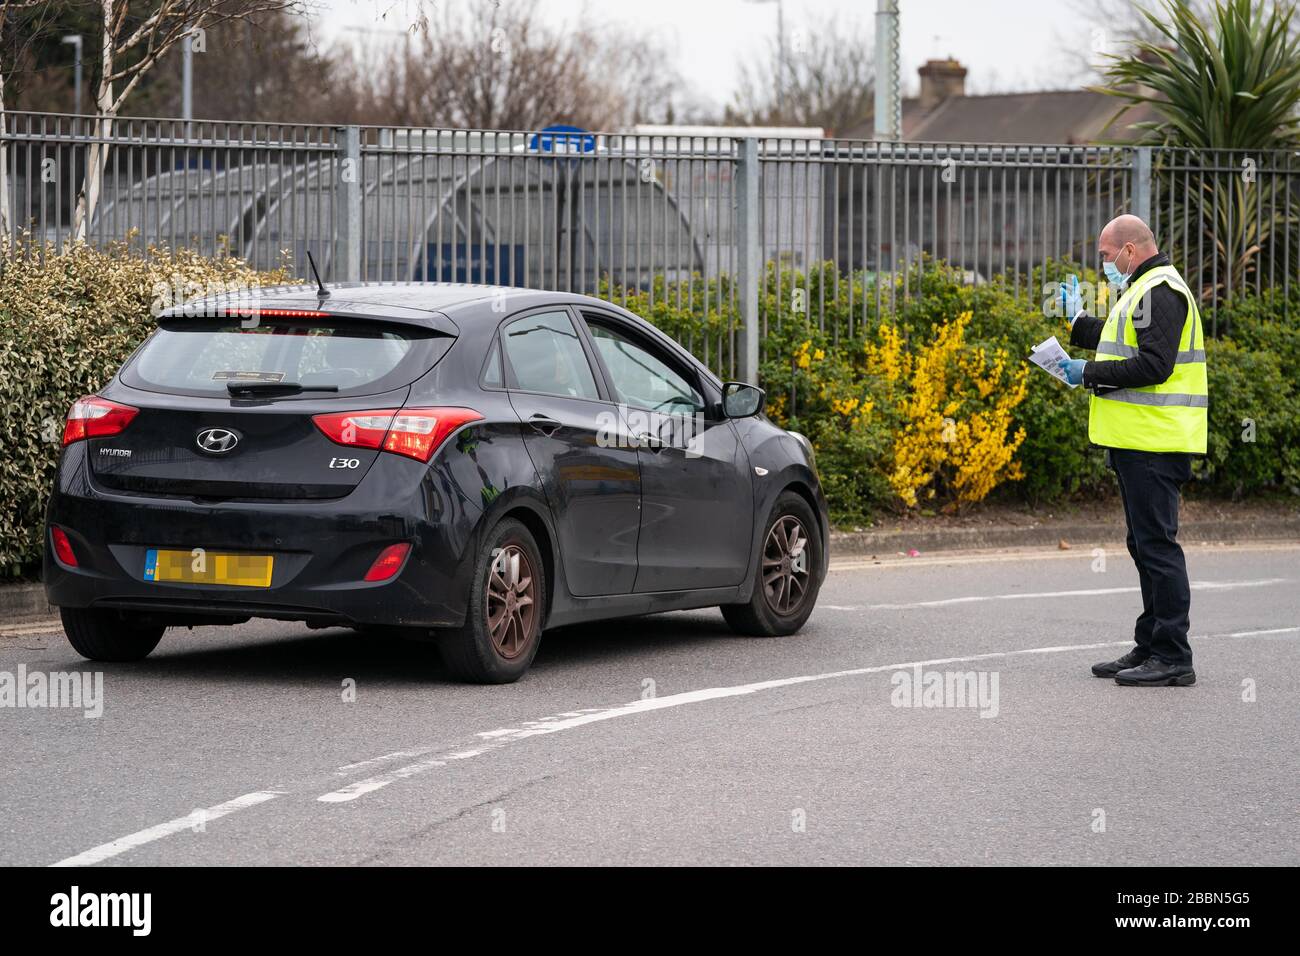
{"x": 95, "y": 417}
{"x": 62, "y": 546}
{"x": 413, "y": 432}
{"x": 388, "y": 563}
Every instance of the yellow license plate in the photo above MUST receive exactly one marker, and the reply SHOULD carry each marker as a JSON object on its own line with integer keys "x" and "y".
{"x": 208, "y": 567}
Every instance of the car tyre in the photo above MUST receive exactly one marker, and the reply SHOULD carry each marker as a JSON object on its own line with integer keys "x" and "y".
{"x": 787, "y": 579}
{"x": 103, "y": 635}
{"x": 503, "y": 622}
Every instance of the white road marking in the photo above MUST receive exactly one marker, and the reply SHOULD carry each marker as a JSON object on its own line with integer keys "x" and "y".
{"x": 199, "y": 817}
{"x": 494, "y": 739}
{"x": 1022, "y": 595}
{"x": 348, "y": 770}
{"x": 1260, "y": 633}
{"x": 1229, "y": 585}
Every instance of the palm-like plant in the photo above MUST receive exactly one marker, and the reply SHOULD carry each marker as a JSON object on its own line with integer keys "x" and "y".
{"x": 1230, "y": 84}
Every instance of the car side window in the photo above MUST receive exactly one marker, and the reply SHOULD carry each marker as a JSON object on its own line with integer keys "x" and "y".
{"x": 492, "y": 370}
{"x": 642, "y": 377}
{"x": 546, "y": 356}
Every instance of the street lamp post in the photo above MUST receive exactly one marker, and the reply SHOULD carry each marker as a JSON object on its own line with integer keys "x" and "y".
{"x": 782, "y": 63}
{"x": 187, "y": 79}
{"x": 889, "y": 115}
{"x": 75, "y": 40}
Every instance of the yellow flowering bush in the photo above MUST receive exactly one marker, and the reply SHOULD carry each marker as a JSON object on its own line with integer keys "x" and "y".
{"x": 841, "y": 352}
{"x": 955, "y": 403}
{"x": 819, "y": 389}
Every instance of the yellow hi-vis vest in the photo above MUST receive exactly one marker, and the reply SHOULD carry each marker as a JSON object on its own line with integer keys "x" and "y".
{"x": 1171, "y": 416}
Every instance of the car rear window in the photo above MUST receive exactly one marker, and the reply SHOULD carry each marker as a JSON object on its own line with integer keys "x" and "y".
{"x": 202, "y": 357}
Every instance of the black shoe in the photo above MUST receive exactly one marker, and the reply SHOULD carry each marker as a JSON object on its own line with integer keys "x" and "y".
{"x": 1109, "y": 669}
{"x": 1156, "y": 673}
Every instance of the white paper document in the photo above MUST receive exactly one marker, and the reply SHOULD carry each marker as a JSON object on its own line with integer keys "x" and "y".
{"x": 1048, "y": 356}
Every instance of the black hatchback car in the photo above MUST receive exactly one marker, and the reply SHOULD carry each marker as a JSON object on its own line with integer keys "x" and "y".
{"x": 469, "y": 462}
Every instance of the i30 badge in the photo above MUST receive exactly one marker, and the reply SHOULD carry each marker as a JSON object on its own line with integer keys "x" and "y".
{"x": 217, "y": 441}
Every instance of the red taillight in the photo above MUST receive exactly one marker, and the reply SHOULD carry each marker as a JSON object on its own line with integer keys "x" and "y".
{"x": 95, "y": 417}
{"x": 417, "y": 432}
{"x": 388, "y": 563}
{"x": 62, "y": 546}
{"x": 413, "y": 432}
{"x": 356, "y": 429}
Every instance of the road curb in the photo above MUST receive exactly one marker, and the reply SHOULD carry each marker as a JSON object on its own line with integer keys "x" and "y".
{"x": 26, "y": 602}
{"x": 1076, "y": 534}
{"x": 22, "y": 602}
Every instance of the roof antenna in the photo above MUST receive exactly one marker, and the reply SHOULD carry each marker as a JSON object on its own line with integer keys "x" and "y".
{"x": 321, "y": 291}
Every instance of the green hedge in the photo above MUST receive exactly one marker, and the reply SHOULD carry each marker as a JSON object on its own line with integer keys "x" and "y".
{"x": 1254, "y": 378}
{"x": 68, "y": 319}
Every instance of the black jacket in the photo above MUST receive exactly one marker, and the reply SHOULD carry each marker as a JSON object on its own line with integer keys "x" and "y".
{"x": 1157, "y": 339}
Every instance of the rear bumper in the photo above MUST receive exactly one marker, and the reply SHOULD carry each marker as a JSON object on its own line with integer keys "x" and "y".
{"x": 391, "y": 603}
{"x": 322, "y": 550}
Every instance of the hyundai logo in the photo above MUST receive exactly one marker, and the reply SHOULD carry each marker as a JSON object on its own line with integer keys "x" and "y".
{"x": 217, "y": 441}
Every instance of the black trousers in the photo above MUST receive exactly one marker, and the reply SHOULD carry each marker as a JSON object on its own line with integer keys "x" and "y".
{"x": 1150, "y": 484}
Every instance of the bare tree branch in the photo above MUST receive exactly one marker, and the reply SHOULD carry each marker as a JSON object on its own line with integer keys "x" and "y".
{"x": 164, "y": 26}
{"x": 485, "y": 65}
{"x": 820, "y": 74}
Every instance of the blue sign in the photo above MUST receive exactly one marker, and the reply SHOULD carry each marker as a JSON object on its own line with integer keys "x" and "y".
{"x": 563, "y": 139}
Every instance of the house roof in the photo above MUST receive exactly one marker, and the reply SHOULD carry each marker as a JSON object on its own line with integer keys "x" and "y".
{"x": 1048, "y": 117}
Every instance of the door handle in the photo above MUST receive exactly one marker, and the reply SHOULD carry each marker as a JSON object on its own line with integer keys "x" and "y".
{"x": 546, "y": 426}
{"x": 646, "y": 440}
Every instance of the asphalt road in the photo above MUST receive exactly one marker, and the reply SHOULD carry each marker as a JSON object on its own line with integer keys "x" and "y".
{"x": 667, "y": 740}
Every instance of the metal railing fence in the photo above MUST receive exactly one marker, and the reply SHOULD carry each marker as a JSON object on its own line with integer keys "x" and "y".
{"x": 712, "y": 224}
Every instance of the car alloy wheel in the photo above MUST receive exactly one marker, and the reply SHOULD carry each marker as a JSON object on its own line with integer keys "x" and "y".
{"x": 785, "y": 565}
{"x": 511, "y": 601}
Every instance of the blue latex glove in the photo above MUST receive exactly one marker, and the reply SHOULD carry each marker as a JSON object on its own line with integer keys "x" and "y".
{"x": 1073, "y": 369}
{"x": 1071, "y": 299}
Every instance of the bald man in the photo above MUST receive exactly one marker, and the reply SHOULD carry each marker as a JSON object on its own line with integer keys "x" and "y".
{"x": 1149, "y": 411}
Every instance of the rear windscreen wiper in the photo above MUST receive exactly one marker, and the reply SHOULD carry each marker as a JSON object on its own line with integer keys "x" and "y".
{"x": 275, "y": 388}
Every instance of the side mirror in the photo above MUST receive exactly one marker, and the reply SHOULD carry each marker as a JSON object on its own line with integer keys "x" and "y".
{"x": 741, "y": 401}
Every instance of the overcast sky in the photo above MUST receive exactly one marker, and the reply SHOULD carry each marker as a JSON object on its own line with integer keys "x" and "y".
{"x": 1007, "y": 45}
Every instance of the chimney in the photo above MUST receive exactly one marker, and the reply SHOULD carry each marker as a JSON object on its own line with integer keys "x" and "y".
{"x": 941, "y": 79}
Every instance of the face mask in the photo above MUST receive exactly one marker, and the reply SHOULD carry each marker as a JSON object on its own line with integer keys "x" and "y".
{"x": 1113, "y": 274}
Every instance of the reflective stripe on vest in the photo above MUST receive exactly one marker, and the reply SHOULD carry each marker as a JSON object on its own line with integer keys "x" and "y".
{"x": 1128, "y": 302}
{"x": 1135, "y": 397}
{"x": 1128, "y": 351}
{"x": 1170, "y": 416}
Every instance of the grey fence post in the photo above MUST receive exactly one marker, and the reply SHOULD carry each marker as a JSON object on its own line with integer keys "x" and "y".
{"x": 748, "y": 257}
{"x": 347, "y": 206}
{"x": 1142, "y": 183}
